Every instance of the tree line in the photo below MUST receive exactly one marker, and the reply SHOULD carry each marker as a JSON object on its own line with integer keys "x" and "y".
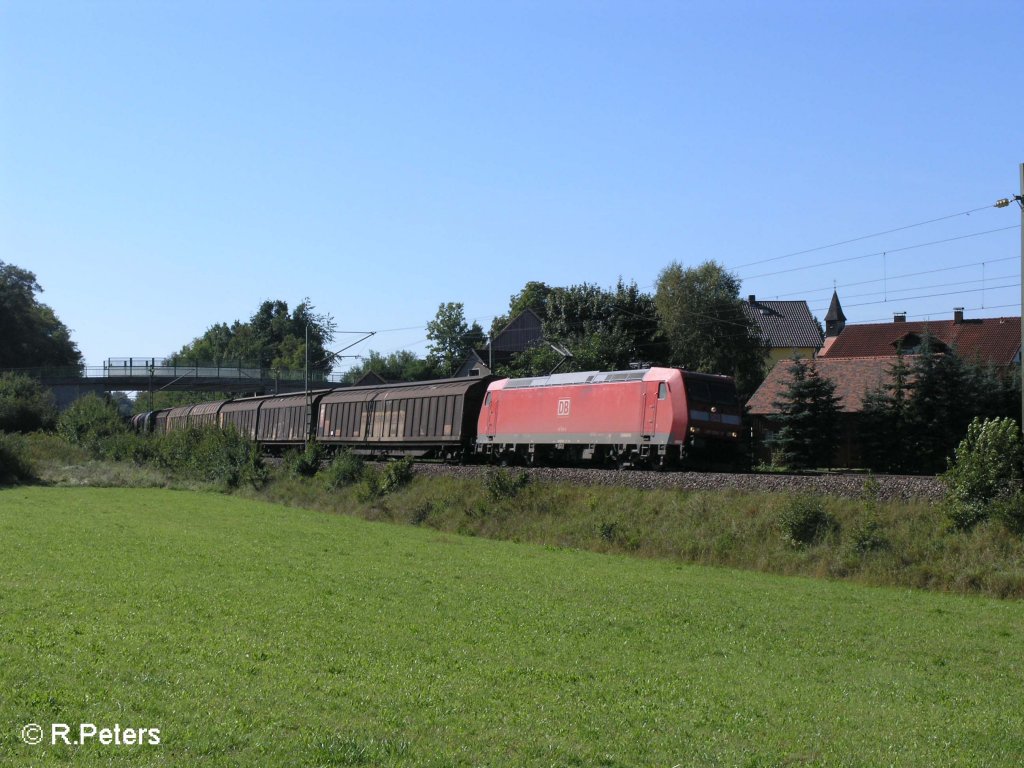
{"x": 693, "y": 320}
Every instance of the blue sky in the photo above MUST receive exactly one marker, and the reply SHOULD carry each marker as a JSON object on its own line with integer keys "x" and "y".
{"x": 166, "y": 166}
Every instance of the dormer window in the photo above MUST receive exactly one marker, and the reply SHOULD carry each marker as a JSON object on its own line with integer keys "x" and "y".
{"x": 910, "y": 344}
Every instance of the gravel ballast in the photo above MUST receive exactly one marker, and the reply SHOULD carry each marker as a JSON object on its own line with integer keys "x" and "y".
{"x": 890, "y": 487}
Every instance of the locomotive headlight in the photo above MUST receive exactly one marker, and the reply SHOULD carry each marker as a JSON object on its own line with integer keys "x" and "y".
{"x": 714, "y": 409}
{"x": 734, "y": 434}
{"x": 693, "y": 430}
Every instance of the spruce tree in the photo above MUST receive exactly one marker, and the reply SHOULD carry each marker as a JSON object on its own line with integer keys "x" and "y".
{"x": 808, "y": 418}
{"x": 884, "y": 426}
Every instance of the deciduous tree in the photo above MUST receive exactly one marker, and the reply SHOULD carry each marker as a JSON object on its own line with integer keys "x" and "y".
{"x": 398, "y": 366}
{"x": 30, "y": 333}
{"x": 602, "y": 329}
{"x": 702, "y": 317}
{"x": 272, "y": 338}
{"x": 25, "y": 405}
{"x": 451, "y": 337}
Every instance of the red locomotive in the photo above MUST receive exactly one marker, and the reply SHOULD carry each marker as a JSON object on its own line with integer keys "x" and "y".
{"x": 656, "y": 416}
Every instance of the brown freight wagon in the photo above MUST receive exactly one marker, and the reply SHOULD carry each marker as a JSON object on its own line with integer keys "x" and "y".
{"x": 177, "y": 418}
{"x": 242, "y": 415}
{"x": 206, "y": 414}
{"x": 284, "y": 419}
{"x": 429, "y": 419}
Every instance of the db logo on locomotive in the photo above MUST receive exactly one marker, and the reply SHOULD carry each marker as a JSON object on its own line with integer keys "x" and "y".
{"x": 563, "y": 407}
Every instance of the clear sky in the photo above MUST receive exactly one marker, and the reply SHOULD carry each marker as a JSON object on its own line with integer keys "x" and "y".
{"x": 168, "y": 165}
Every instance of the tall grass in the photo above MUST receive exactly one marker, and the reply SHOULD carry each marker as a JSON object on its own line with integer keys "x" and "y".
{"x": 907, "y": 544}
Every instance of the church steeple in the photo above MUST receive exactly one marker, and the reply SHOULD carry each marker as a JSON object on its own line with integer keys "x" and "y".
{"x": 835, "y": 320}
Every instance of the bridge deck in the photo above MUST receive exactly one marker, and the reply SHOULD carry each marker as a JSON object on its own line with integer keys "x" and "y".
{"x": 150, "y": 374}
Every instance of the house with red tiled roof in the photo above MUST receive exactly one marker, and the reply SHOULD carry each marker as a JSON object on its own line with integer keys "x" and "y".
{"x": 859, "y": 359}
{"x": 993, "y": 340}
{"x": 854, "y": 377}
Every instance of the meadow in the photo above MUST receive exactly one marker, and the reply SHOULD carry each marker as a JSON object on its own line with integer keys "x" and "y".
{"x": 251, "y": 633}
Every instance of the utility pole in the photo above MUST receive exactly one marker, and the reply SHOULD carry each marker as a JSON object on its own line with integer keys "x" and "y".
{"x": 1019, "y": 199}
{"x": 305, "y": 380}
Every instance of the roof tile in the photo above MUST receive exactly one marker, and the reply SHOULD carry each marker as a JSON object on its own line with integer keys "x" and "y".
{"x": 992, "y": 339}
{"x": 784, "y": 324}
{"x": 854, "y": 377}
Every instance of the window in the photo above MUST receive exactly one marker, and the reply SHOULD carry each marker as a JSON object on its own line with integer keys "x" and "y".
{"x": 662, "y": 390}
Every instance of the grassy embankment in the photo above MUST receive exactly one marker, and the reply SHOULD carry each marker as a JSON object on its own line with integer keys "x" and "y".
{"x": 902, "y": 544}
{"x": 253, "y": 634}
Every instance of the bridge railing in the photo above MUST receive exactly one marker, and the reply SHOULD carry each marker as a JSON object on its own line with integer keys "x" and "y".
{"x": 155, "y": 367}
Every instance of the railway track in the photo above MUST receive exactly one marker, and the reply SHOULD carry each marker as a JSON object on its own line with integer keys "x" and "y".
{"x": 890, "y": 487}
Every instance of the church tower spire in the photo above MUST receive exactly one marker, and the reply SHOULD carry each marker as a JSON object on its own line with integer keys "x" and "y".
{"x": 835, "y": 320}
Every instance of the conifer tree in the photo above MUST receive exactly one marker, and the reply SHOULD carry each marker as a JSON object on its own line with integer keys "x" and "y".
{"x": 808, "y": 418}
{"x": 884, "y": 427}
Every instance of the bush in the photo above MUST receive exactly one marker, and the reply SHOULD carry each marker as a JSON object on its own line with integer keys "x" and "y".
{"x": 305, "y": 463}
{"x": 347, "y": 468}
{"x": 378, "y": 483}
{"x": 89, "y": 422}
{"x": 985, "y": 473}
{"x": 868, "y": 536}
{"x": 210, "y": 454}
{"x": 1009, "y": 509}
{"x": 804, "y": 520}
{"x": 396, "y": 474}
{"x": 126, "y": 446}
{"x": 25, "y": 405}
{"x": 502, "y": 484}
{"x": 15, "y": 466}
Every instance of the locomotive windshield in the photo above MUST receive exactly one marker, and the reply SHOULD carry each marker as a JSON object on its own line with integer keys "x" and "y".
{"x": 710, "y": 392}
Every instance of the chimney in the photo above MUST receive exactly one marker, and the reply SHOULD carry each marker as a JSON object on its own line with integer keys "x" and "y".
{"x": 899, "y": 317}
{"x": 751, "y": 299}
{"x": 958, "y": 315}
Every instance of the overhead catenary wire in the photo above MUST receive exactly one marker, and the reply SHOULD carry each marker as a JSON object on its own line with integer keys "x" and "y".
{"x": 836, "y": 287}
{"x": 934, "y": 295}
{"x": 891, "y": 291}
{"x": 929, "y": 315}
{"x": 879, "y": 253}
{"x": 862, "y": 237}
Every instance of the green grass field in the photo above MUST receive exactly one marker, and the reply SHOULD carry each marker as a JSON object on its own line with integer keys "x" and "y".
{"x": 254, "y": 634}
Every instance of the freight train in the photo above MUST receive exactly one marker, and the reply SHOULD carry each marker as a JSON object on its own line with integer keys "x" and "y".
{"x": 654, "y": 417}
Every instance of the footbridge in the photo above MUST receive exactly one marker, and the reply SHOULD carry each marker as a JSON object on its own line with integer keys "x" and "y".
{"x": 154, "y": 374}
